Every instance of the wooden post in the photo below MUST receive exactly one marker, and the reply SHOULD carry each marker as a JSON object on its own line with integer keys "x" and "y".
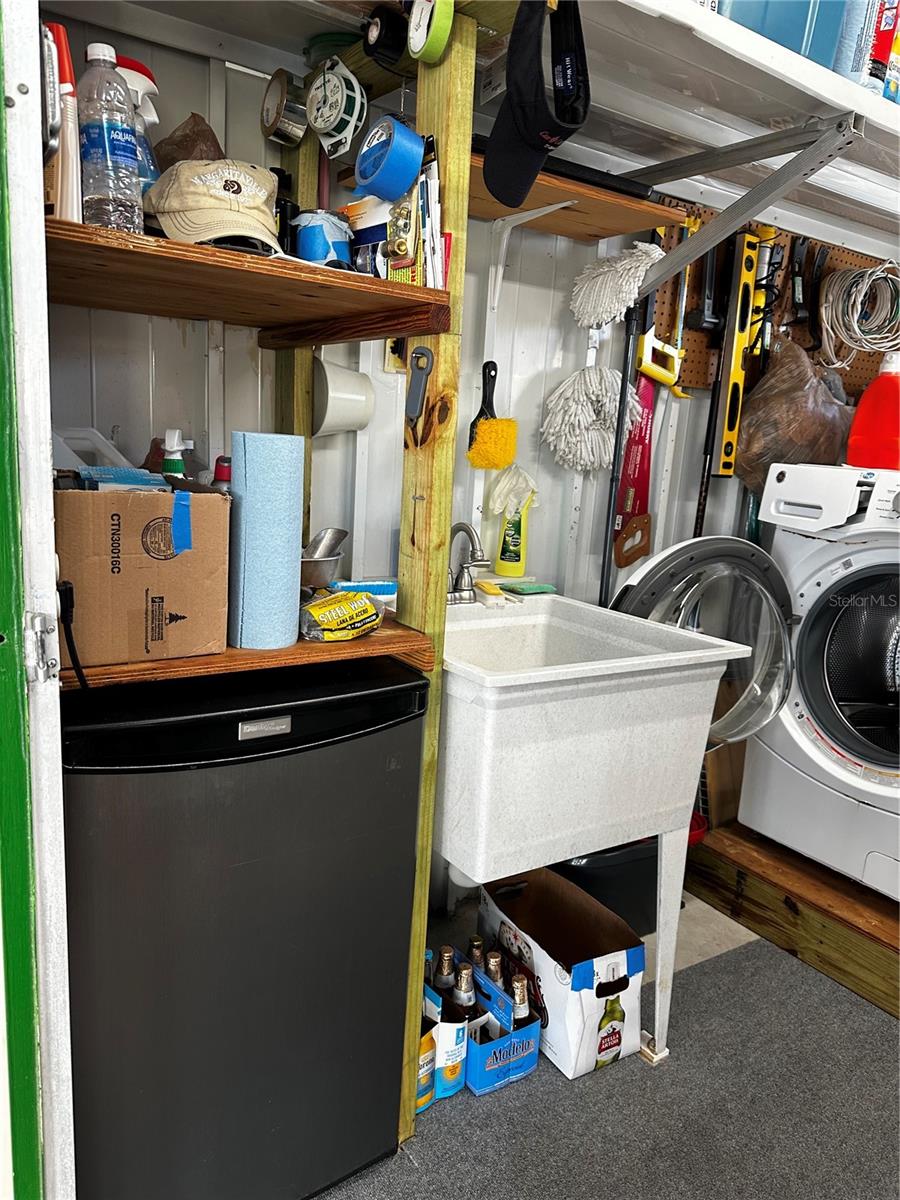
{"x": 294, "y": 368}
{"x": 443, "y": 108}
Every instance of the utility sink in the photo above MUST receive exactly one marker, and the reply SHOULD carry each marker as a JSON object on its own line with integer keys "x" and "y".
{"x": 567, "y": 728}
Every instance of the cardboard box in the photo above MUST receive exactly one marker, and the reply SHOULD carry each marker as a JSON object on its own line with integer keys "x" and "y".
{"x": 150, "y": 572}
{"x": 451, "y": 1044}
{"x": 509, "y": 1054}
{"x": 584, "y": 965}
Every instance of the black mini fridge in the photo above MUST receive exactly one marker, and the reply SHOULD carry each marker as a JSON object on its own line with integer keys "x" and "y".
{"x": 240, "y": 860}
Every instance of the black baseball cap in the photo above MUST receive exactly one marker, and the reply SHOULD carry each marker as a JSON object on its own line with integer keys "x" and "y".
{"x": 527, "y": 127}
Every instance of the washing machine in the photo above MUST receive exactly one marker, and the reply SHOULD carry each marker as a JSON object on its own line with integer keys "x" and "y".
{"x": 817, "y": 699}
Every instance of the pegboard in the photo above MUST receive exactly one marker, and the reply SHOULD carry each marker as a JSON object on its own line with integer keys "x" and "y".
{"x": 699, "y": 363}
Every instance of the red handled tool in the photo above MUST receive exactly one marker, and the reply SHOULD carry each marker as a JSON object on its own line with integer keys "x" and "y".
{"x": 656, "y": 363}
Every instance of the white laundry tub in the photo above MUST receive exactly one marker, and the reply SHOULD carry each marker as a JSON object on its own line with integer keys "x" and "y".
{"x": 567, "y": 728}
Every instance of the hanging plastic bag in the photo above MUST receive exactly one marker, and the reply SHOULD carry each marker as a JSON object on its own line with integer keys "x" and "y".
{"x": 790, "y": 416}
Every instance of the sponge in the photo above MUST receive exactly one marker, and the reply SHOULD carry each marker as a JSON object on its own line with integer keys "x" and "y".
{"x": 519, "y": 588}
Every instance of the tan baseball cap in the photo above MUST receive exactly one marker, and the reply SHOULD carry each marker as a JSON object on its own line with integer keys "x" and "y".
{"x": 200, "y": 199}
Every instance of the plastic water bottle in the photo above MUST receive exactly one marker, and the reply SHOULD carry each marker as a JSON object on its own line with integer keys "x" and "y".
{"x": 110, "y": 185}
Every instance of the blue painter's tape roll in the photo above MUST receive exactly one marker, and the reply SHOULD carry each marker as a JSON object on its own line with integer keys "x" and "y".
{"x": 389, "y": 160}
{"x": 181, "y": 522}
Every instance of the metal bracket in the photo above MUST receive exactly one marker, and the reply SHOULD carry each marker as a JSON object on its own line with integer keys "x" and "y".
{"x": 500, "y": 231}
{"x": 823, "y": 146}
{"x": 41, "y": 648}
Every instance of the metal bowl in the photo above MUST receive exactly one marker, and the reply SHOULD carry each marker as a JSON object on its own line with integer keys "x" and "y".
{"x": 319, "y": 572}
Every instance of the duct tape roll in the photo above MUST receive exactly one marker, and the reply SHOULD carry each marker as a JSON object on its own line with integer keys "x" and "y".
{"x": 384, "y": 35}
{"x": 322, "y": 237}
{"x": 429, "y": 29}
{"x": 389, "y": 160}
{"x": 283, "y": 113}
{"x": 343, "y": 399}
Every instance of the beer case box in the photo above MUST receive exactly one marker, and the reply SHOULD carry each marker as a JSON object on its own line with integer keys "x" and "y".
{"x": 511, "y": 1054}
{"x": 149, "y": 571}
{"x": 584, "y": 965}
{"x": 451, "y": 1047}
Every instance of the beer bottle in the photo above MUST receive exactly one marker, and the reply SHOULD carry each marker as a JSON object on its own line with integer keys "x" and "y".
{"x": 494, "y": 967}
{"x": 425, "y": 1074}
{"x": 521, "y": 1007}
{"x": 476, "y": 951}
{"x": 465, "y": 1000}
{"x": 444, "y": 977}
{"x": 610, "y": 1029}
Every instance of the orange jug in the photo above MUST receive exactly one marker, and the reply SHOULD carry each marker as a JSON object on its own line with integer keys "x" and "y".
{"x": 875, "y": 433}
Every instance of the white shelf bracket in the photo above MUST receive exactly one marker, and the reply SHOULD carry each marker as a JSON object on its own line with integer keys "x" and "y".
{"x": 500, "y": 231}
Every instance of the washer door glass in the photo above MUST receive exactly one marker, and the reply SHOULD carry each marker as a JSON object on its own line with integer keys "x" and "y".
{"x": 848, "y": 664}
{"x": 731, "y": 589}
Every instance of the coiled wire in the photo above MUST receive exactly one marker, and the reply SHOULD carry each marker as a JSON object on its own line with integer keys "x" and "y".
{"x": 860, "y": 310}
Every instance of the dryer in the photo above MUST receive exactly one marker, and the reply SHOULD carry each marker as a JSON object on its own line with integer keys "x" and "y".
{"x": 817, "y": 700}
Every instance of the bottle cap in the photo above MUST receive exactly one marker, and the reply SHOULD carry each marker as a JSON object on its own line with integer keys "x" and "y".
{"x": 890, "y": 364}
{"x": 100, "y": 52}
{"x": 223, "y": 468}
{"x": 64, "y": 54}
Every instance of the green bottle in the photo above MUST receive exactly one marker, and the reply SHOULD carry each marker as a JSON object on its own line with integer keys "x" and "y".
{"x": 611, "y": 1029}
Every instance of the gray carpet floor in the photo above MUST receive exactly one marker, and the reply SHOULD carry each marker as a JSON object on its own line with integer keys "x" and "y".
{"x": 781, "y": 1085}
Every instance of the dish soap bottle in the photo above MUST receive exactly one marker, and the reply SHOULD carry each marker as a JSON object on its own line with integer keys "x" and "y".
{"x": 513, "y": 545}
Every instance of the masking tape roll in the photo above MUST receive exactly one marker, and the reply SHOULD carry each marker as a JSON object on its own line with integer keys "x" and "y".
{"x": 429, "y": 29}
{"x": 389, "y": 160}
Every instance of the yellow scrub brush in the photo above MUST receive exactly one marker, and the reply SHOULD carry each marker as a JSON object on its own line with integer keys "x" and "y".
{"x": 492, "y": 440}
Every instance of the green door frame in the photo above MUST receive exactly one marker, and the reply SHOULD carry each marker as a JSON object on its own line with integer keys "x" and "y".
{"x": 17, "y": 892}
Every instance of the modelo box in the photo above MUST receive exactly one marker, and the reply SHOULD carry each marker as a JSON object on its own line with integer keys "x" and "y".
{"x": 583, "y": 963}
{"x": 497, "y": 1053}
{"x": 149, "y": 570}
{"x": 450, "y": 1048}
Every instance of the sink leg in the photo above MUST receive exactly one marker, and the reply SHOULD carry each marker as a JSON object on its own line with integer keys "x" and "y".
{"x": 669, "y": 885}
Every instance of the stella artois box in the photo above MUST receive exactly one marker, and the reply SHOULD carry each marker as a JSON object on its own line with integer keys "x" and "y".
{"x": 584, "y": 967}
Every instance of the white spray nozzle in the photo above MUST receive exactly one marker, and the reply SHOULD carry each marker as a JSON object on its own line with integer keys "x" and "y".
{"x": 174, "y": 443}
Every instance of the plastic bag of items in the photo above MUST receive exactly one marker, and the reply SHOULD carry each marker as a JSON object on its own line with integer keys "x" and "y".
{"x": 193, "y": 138}
{"x": 339, "y": 616}
{"x": 797, "y": 413}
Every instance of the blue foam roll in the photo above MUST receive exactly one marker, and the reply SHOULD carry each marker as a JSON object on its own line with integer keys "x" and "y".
{"x": 266, "y": 537}
{"x": 389, "y": 160}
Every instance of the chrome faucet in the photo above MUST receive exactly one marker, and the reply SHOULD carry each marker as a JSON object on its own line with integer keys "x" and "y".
{"x": 461, "y": 590}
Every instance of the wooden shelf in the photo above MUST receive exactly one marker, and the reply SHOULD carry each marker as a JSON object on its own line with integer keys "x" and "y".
{"x": 391, "y": 640}
{"x": 596, "y": 214}
{"x": 292, "y": 302}
{"x": 828, "y": 921}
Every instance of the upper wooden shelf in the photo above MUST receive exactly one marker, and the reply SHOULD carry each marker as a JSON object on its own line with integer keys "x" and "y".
{"x": 293, "y": 303}
{"x": 596, "y": 214}
{"x": 391, "y": 640}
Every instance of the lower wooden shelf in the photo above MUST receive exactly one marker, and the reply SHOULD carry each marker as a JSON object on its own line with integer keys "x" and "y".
{"x": 391, "y": 640}
{"x": 828, "y": 921}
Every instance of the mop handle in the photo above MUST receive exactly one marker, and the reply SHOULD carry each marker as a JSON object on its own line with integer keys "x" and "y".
{"x": 615, "y": 472}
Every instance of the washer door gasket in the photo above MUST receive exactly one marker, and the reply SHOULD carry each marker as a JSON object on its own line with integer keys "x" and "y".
{"x": 848, "y": 662}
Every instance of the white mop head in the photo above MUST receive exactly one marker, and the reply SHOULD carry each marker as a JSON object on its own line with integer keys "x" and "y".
{"x": 580, "y": 422}
{"x": 605, "y": 288}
